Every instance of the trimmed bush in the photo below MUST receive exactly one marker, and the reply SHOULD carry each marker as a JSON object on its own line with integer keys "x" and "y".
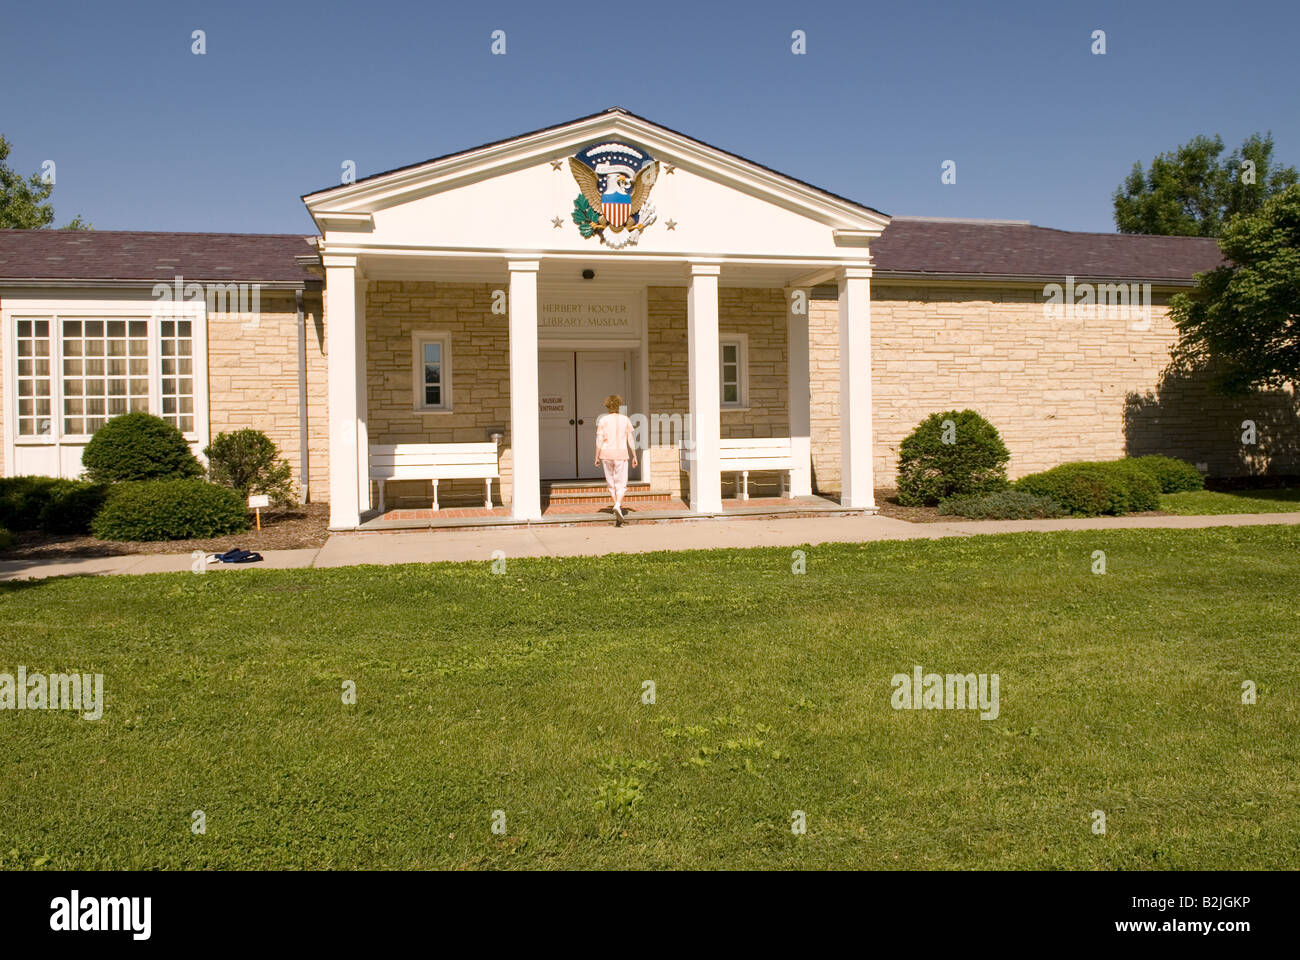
{"x": 169, "y": 510}
{"x": 1085, "y": 489}
{"x": 71, "y": 509}
{"x": 6, "y": 539}
{"x": 1173, "y": 476}
{"x": 1143, "y": 489}
{"x": 936, "y": 464}
{"x": 139, "y": 446}
{"x": 1003, "y": 505}
{"x": 22, "y": 499}
{"x": 248, "y": 461}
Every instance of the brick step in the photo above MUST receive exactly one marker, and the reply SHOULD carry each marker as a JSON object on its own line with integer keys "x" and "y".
{"x": 595, "y": 492}
{"x": 604, "y": 500}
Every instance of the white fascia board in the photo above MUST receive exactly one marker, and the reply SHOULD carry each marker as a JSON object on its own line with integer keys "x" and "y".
{"x": 343, "y": 221}
{"x": 338, "y": 248}
{"x": 855, "y": 238}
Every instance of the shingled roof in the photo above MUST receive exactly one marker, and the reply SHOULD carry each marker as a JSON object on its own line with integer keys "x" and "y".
{"x": 126, "y": 255}
{"x": 909, "y": 247}
{"x": 1014, "y": 249}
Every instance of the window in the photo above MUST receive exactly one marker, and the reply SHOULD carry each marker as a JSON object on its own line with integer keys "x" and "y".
{"x": 176, "y": 342}
{"x": 70, "y": 366}
{"x": 732, "y": 361}
{"x": 33, "y": 349}
{"x": 105, "y": 371}
{"x": 431, "y": 353}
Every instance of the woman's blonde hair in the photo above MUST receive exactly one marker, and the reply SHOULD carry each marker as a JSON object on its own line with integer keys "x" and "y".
{"x": 613, "y": 402}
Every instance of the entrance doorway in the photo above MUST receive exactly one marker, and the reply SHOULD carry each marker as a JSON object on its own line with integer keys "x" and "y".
{"x": 573, "y": 385}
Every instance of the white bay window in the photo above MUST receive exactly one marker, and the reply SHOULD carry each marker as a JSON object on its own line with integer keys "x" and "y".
{"x": 71, "y": 365}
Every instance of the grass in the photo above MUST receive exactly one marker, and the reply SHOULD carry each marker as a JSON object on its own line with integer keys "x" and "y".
{"x": 1280, "y": 500}
{"x": 522, "y": 692}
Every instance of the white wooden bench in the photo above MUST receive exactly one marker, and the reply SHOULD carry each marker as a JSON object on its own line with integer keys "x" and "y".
{"x": 434, "y": 461}
{"x": 743, "y": 454}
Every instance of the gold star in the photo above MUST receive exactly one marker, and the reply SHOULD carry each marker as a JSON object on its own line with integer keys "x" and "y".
{"x": 671, "y": 224}
{"x": 555, "y": 164}
{"x": 669, "y": 168}
{"x": 558, "y": 223}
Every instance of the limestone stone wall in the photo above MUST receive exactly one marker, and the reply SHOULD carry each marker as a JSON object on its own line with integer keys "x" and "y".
{"x": 1086, "y": 387}
{"x": 480, "y": 377}
{"x": 253, "y": 379}
{"x": 757, "y": 313}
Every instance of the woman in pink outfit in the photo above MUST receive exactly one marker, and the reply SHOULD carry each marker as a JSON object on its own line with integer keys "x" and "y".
{"x": 614, "y": 445}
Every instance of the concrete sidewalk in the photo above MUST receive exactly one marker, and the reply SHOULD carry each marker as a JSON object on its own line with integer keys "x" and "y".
{"x": 423, "y": 546}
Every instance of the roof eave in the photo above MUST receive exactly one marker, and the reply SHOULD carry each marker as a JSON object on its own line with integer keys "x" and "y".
{"x": 883, "y": 274}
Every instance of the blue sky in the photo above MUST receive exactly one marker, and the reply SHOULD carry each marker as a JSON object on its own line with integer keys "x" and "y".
{"x": 146, "y": 135}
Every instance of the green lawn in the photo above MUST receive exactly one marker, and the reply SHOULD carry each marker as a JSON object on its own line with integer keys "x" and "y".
{"x": 521, "y": 692}
{"x": 1283, "y": 500}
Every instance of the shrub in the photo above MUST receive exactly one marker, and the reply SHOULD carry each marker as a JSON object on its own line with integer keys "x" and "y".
{"x": 139, "y": 446}
{"x": 1085, "y": 489}
{"x": 6, "y": 539}
{"x": 1143, "y": 489}
{"x": 1172, "y": 475}
{"x": 71, "y": 509}
{"x": 169, "y": 510}
{"x": 248, "y": 461}
{"x": 22, "y": 499}
{"x": 1003, "y": 505}
{"x": 931, "y": 470}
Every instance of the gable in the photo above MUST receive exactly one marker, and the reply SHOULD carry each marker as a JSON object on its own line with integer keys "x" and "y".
{"x": 509, "y": 196}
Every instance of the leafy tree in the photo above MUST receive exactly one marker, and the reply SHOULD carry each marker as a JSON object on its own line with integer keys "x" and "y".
{"x": 249, "y": 461}
{"x": 950, "y": 454}
{"x": 24, "y": 202}
{"x": 1192, "y": 192}
{"x": 1243, "y": 318}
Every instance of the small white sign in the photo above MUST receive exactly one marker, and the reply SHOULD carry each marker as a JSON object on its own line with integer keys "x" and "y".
{"x": 259, "y": 500}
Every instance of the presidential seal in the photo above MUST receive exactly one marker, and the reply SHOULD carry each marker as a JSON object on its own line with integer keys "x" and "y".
{"x": 615, "y": 179}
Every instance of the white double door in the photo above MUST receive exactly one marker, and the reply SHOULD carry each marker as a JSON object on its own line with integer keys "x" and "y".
{"x": 572, "y": 387}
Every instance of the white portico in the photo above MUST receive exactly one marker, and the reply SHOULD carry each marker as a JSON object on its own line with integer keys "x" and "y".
{"x": 487, "y": 297}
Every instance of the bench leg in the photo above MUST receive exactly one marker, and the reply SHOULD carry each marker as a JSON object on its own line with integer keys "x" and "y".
{"x": 435, "y": 494}
{"x": 744, "y": 485}
{"x": 487, "y": 503}
{"x": 381, "y": 496}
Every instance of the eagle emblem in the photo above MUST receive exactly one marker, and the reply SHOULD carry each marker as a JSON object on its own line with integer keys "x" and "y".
{"x": 615, "y": 180}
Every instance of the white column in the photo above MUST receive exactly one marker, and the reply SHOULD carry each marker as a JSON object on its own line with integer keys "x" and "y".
{"x": 525, "y": 444}
{"x": 344, "y": 402}
{"x": 799, "y": 390}
{"x": 705, "y": 387}
{"x": 856, "y": 483}
{"x": 363, "y": 399}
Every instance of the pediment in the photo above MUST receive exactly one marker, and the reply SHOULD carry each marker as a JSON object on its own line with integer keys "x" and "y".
{"x": 522, "y": 194}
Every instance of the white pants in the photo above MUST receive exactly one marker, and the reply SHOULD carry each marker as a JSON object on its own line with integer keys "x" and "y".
{"x": 616, "y": 479}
